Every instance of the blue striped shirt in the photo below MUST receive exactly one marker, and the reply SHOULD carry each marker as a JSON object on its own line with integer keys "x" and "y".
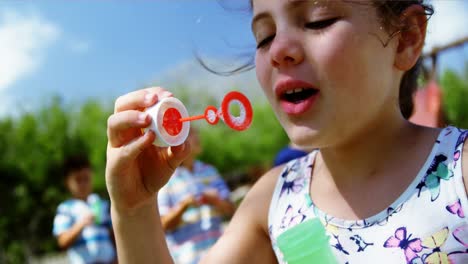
{"x": 94, "y": 243}
{"x": 200, "y": 227}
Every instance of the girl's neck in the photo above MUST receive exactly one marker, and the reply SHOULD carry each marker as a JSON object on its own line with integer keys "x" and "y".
{"x": 355, "y": 181}
{"x": 365, "y": 155}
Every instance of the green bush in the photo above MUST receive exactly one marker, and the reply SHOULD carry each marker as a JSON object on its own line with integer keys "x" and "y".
{"x": 455, "y": 97}
{"x": 34, "y": 146}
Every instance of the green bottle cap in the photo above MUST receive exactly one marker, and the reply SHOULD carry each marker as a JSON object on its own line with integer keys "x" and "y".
{"x": 306, "y": 243}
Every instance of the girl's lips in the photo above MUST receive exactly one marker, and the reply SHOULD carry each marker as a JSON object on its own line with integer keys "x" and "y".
{"x": 298, "y": 108}
{"x": 293, "y": 106}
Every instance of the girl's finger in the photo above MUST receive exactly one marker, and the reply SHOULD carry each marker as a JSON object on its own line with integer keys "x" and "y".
{"x": 121, "y": 126}
{"x": 140, "y": 99}
{"x": 130, "y": 152}
{"x": 177, "y": 154}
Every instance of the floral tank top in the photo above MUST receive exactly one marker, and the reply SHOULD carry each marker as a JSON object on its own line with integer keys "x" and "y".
{"x": 426, "y": 224}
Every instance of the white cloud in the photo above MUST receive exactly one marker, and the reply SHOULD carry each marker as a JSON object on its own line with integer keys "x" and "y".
{"x": 447, "y": 24}
{"x": 24, "y": 39}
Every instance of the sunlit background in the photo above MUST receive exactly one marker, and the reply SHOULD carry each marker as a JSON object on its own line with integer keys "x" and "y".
{"x": 63, "y": 63}
{"x": 102, "y": 49}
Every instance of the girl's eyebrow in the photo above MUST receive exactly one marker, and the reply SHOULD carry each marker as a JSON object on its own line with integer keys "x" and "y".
{"x": 291, "y": 4}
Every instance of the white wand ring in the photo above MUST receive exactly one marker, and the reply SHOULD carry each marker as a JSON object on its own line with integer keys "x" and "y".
{"x": 166, "y": 115}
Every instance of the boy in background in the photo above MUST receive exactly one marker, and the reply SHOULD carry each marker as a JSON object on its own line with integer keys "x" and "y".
{"x": 82, "y": 224}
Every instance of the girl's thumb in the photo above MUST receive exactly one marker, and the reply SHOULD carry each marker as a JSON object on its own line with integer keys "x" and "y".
{"x": 177, "y": 154}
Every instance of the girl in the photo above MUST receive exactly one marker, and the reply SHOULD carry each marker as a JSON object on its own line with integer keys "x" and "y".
{"x": 339, "y": 76}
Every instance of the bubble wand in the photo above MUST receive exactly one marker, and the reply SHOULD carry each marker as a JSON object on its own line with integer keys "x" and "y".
{"x": 171, "y": 122}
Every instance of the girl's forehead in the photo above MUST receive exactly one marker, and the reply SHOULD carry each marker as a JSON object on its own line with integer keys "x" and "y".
{"x": 265, "y": 8}
{"x": 258, "y": 5}
{"x": 292, "y": 8}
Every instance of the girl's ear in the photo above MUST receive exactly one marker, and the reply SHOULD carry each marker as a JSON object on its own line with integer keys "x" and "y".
{"x": 411, "y": 37}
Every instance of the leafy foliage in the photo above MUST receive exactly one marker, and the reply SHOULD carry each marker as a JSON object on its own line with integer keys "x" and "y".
{"x": 34, "y": 145}
{"x": 455, "y": 90}
{"x": 231, "y": 151}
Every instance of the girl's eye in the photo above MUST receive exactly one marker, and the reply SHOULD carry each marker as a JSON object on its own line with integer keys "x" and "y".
{"x": 265, "y": 41}
{"x": 317, "y": 25}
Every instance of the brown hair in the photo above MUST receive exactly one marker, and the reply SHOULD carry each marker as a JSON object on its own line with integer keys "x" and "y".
{"x": 389, "y": 11}
{"x": 75, "y": 163}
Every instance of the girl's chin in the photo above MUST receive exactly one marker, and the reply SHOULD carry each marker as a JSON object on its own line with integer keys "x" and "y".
{"x": 303, "y": 137}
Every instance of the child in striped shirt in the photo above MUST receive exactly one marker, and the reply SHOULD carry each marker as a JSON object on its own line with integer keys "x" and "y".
{"x": 82, "y": 224}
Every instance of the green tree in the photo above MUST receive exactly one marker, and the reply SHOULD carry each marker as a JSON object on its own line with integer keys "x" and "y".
{"x": 34, "y": 146}
{"x": 89, "y": 127}
{"x": 455, "y": 97}
{"x": 233, "y": 151}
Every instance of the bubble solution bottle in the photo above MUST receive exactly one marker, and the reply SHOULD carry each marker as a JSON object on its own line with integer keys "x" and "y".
{"x": 96, "y": 208}
{"x": 306, "y": 243}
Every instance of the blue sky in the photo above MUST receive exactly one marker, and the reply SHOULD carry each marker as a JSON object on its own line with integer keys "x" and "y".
{"x": 105, "y": 48}
{"x": 82, "y": 49}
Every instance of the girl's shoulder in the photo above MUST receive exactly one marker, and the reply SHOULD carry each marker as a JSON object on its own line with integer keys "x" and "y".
{"x": 451, "y": 142}
{"x": 464, "y": 155}
{"x": 266, "y": 184}
{"x": 256, "y": 203}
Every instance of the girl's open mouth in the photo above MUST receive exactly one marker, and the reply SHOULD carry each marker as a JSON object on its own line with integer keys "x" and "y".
{"x": 299, "y": 100}
{"x": 297, "y": 95}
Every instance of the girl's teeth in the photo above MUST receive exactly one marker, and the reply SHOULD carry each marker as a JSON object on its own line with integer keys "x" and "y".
{"x": 298, "y": 90}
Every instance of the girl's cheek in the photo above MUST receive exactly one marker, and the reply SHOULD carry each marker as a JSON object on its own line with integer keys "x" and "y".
{"x": 336, "y": 58}
{"x": 262, "y": 72}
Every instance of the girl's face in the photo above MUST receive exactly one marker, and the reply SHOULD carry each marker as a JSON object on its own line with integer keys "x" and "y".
{"x": 324, "y": 68}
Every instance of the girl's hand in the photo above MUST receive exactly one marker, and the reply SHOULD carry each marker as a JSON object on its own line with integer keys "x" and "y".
{"x": 136, "y": 169}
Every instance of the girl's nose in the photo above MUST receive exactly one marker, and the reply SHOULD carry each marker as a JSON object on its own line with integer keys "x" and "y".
{"x": 285, "y": 50}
